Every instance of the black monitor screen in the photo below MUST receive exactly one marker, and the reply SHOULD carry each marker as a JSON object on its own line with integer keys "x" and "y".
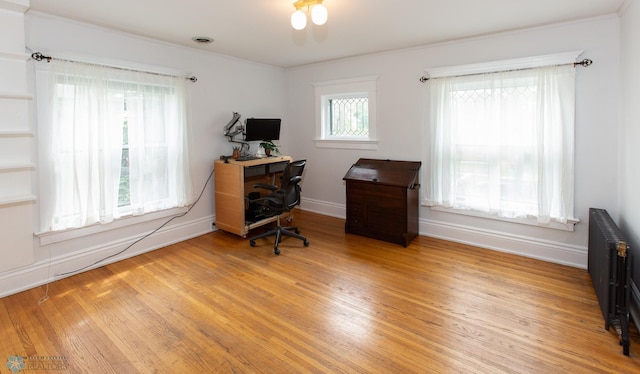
{"x": 262, "y": 129}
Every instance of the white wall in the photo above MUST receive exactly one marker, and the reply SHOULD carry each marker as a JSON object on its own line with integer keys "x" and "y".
{"x": 630, "y": 135}
{"x": 401, "y": 114}
{"x": 224, "y": 85}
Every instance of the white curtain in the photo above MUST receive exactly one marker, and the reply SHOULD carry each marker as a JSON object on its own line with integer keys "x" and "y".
{"x": 112, "y": 128}
{"x": 503, "y": 143}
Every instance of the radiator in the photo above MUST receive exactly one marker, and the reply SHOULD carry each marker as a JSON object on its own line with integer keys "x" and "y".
{"x": 609, "y": 262}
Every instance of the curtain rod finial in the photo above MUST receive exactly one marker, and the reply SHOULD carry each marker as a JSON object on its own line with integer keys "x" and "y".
{"x": 39, "y": 57}
{"x": 586, "y": 62}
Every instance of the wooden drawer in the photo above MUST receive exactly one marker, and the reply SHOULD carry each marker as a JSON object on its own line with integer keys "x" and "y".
{"x": 385, "y": 197}
{"x": 373, "y": 190}
{"x": 355, "y": 216}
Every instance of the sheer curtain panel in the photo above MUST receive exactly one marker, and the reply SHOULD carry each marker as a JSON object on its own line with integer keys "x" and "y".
{"x": 503, "y": 143}
{"x": 117, "y": 145}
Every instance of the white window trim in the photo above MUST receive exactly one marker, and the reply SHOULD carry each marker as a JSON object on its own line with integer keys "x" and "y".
{"x": 340, "y": 87}
{"x": 569, "y": 226}
{"x": 504, "y": 65}
{"x": 128, "y": 219}
{"x": 51, "y": 237}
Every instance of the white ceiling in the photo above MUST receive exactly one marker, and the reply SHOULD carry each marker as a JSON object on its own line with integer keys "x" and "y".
{"x": 260, "y": 30}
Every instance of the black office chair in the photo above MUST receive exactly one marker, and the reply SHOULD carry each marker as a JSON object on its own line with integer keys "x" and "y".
{"x": 281, "y": 201}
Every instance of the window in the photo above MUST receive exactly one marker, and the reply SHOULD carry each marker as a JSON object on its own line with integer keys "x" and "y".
{"x": 345, "y": 113}
{"x": 348, "y": 116}
{"x": 501, "y": 144}
{"x": 117, "y": 145}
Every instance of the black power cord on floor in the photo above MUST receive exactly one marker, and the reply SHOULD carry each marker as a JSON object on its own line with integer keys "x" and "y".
{"x": 145, "y": 236}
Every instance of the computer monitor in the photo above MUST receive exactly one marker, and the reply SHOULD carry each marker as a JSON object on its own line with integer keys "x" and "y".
{"x": 262, "y": 129}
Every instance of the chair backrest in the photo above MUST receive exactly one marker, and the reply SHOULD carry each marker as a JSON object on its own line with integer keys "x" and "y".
{"x": 291, "y": 178}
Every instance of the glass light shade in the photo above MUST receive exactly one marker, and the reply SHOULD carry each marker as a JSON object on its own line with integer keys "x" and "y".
{"x": 298, "y": 20}
{"x": 319, "y": 14}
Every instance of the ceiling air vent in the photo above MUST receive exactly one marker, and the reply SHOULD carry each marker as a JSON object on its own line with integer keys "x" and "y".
{"x": 202, "y": 39}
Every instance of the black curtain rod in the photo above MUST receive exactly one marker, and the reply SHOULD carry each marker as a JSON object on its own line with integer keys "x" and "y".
{"x": 39, "y": 57}
{"x": 584, "y": 63}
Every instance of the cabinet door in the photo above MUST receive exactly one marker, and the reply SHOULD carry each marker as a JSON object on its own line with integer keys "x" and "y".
{"x": 386, "y": 211}
{"x": 376, "y": 211}
{"x": 229, "y": 198}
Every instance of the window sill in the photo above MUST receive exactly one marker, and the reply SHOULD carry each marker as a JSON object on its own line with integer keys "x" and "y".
{"x": 569, "y": 226}
{"x": 347, "y": 144}
{"x": 51, "y": 237}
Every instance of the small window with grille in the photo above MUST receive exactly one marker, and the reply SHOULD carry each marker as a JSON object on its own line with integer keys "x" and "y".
{"x": 346, "y": 113}
{"x": 349, "y": 116}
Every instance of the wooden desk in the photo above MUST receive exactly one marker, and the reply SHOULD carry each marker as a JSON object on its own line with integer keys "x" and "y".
{"x": 234, "y": 181}
{"x": 382, "y": 200}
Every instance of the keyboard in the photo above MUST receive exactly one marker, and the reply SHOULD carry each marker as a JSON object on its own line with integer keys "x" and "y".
{"x": 247, "y": 158}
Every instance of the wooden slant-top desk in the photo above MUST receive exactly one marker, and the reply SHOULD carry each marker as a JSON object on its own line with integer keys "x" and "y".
{"x": 382, "y": 199}
{"x": 234, "y": 181}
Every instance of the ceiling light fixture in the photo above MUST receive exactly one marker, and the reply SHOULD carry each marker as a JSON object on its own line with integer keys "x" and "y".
{"x": 319, "y": 13}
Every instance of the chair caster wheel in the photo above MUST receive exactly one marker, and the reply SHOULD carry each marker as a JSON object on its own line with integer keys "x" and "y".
{"x": 276, "y": 251}
{"x": 306, "y": 243}
{"x": 252, "y": 243}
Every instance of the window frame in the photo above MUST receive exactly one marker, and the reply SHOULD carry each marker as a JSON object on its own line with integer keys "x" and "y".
{"x": 43, "y": 108}
{"x": 356, "y": 87}
{"x": 329, "y": 114}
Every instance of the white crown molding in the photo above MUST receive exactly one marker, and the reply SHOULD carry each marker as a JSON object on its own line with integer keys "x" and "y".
{"x": 624, "y": 7}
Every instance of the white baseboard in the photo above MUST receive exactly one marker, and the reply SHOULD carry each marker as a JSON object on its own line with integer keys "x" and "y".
{"x": 49, "y": 270}
{"x": 560, "y": 253}
{"x": 323, "y": 207}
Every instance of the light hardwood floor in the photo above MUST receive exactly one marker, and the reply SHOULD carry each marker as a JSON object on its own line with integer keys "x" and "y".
{"x": 345, "y": 304}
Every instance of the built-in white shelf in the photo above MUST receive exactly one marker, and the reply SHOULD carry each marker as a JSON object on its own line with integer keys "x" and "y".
{"x": 14, "y": 5}
{"x": 15, "y": 95}
{"x": 16, "y": 134}
{"x": 6, "y": 201}
{"x": 10, "y": 168}
{"x": 15, "y": 56}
